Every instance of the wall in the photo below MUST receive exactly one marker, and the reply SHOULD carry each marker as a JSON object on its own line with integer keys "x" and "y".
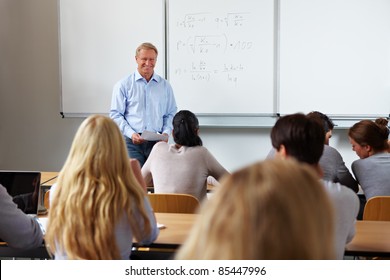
{"x": 33, "y": 136}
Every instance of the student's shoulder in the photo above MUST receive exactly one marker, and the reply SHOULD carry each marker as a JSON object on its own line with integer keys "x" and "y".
{"x": 340, "y": 191}
{"x": 361, "y": 163}
{"x": 198, "y": 151}
{"x": 161, "y": 145}
{"x": 331, "y": 152}
{"x": 344, "y": 199}
{"x": 3, "y": 190}
{"x": 5, "y": 198}
{"x": 337, "y": 188}
{"x": 201, "y": 149}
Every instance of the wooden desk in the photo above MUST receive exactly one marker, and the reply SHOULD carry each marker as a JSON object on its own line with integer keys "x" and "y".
{"x": 48, "y": 178}
{"x": 372, "y": 239}
{"x": 210, "y": 188}
{"x": 177, "y": 229}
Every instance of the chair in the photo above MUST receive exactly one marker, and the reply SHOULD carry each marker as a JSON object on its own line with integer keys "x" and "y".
{"x": 46, "y": 201}
{"x": 173, "y": 202}
{"x": 377, "y": 209}
{"x": 166, "y": 203}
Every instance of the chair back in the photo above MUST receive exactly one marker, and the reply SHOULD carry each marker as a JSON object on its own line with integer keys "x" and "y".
{"x": 46, "y": 201}
{"x": 377, "y": 208}
{"x": 173, "y": 203}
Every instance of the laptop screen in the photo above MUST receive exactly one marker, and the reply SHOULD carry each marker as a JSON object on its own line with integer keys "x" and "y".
{"x": 24, "y": 187}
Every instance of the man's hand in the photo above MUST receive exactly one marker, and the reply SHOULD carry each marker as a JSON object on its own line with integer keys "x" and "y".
{"x": 166, "y": 141}
{"x": 137, "y": 139}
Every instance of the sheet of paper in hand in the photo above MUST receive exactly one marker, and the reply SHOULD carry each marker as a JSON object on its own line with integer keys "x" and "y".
{"x": 153, "y": 136}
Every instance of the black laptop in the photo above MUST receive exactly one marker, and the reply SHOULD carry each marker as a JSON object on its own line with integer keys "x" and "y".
{"x": 24, "y": 187}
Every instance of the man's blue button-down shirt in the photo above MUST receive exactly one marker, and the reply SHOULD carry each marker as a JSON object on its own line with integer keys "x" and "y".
{"x": 138, "y": 105}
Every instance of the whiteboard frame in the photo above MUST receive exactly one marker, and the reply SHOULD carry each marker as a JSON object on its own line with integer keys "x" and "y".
{"x": 223, "y": 120}
{"x": 240, "y": 119}
{"x": 335, "y": 57}
{"x": 127, "y": 64}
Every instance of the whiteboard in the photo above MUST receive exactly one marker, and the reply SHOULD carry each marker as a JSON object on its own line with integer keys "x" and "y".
{"x": 98, "y": 39}
{"x": 221, "y": 55}
{"x": 335, "y": 56}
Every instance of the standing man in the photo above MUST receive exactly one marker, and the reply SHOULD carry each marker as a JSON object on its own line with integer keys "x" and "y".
{"x": 143, "y": 101}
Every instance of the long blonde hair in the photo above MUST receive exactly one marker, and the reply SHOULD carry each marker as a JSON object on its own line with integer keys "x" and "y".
{"x": 275, "y": 209}
{"x": 96, "y": 187}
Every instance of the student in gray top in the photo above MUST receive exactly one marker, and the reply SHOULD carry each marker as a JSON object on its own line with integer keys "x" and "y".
{"x": 331, "y": 161}
{"x": 369, "y": 139}
{"x": 16, "y": 228}
{"x": 302, "y": 138}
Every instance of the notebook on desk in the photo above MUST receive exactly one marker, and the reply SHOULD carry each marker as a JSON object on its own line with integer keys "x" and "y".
{"x": 24, "y": 187}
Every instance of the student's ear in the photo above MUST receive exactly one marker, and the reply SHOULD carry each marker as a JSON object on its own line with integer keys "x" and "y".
{"x": 368, "y": 150}
{"x": 328, "y": 135}
{"x": 282, "y": 153}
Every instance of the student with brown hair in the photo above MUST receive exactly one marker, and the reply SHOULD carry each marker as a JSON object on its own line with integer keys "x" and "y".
{"x": 275, "y": 209}
{"x": 331, "y": 161}
{"x": 302, "y": 138}
{"x": 369, "y": 139}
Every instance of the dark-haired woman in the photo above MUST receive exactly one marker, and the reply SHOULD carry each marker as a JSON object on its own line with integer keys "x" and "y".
{"x": 182, "y": 167}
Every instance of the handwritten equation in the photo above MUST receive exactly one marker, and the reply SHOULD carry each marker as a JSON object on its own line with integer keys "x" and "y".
{"x": 213, "y": 47}
{"x": 196, "y": 20}
{"x": 222, "y": 50}
{"x": 204, "y": 44}
{"x": 203, "y": 71}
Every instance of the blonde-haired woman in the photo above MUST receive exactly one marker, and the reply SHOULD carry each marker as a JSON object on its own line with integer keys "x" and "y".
{"x": 276, "y": 209}
{"x": 98, "y": 203}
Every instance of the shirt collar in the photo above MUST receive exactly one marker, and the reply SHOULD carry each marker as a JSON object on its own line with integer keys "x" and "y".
{"x": 138, "y": 76}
